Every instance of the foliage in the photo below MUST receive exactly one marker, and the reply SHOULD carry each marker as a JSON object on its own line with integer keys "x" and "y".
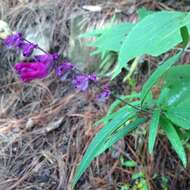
{"x": 168, "y": 109}
{"x": 137, "y": 177}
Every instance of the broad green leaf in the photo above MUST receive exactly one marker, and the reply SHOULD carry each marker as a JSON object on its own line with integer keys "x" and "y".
{"x": 153, "y": 35}
{"x": 143, "y": 12}
{"x": 179, "y": 89}
{"x": 153, "y": 129}
{"x": 180, "y": 114}
{"x": 163, "y": 96}
{"x": 112, "y": 38}
{"x": 93, "y": 33}
{"x": 174, "y": 139}
{"x": 95, "y": 146}
{"x": 157, "y": 74}
{"x": 120, "y": 133}
{"x": 185, "y": 35}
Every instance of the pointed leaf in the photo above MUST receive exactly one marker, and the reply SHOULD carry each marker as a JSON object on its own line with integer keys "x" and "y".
{"x": 120, "y": 133}
{"x": 157, "y": 74}
{"x": 143, "y": 12}
{"x": 180, "y": 114}
{"x": 153, "y": 129}
{"x": 174, "y": 139}
{"x": 179, "y": 89}
{"x": 153, "y": 35}
{"x": 185, "y": 35}
{"x": 112, "y": 38}
{"x": 97, "y": 142}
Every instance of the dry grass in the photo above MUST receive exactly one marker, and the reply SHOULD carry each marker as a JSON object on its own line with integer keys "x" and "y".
{"x": 46, "y": 126}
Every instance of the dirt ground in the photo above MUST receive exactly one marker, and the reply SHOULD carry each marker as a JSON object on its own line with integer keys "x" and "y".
{"x": 46, "y": 126}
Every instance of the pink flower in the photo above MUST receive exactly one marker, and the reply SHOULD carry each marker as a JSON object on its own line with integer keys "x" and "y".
{"x": 32, "y": 70}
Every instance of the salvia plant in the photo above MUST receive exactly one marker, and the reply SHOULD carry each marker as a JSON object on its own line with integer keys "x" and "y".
{"x": 167, "y": 111}
{"x": 41, "y": 65}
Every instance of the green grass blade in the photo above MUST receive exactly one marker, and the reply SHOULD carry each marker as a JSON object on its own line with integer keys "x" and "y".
{"x": 96, "y": 144}
{"x": 120, "y": 133}
{"x": 153, "y": 129}
{"x": 157, "y": 74}
{"x": 174, "y": 139}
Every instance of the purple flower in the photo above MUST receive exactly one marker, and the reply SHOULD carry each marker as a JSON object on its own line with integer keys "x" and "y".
{"x": 28, "y": 48}
{"x": 14, "y": 40}
{"x": 64, "y": 68}
{"x": 46, "y": 58}
{"x": 92, "y": 77}
{"x": 105, "y": 94}
{"x": 32, "y": 70}
{"x": 81, "y": 82}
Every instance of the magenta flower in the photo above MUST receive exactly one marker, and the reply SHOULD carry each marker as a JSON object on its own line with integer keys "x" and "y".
{"x": 27, "y": 48}
{"x": 32, "y": 70}
{"x": 105, "y": 94}
{"x": 13, "y": 40}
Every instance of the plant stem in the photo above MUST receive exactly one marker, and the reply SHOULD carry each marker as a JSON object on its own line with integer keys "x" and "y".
{"x": 112, "y": 94}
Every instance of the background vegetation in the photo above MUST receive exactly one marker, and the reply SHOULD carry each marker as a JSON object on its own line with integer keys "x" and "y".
{"x": 46, "y": 126}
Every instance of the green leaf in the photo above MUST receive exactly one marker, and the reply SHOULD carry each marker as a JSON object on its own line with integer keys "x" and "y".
{"x": 143, "y": 12}
{"x": 120, "y": 133}
{"x": 163, "y": 96}
{"x": 174, "y": 139}
{"x": 153, "y": 35}
{"x": 112, "y": 38}
{"x": 185, "y": 35}
{"x": 125, "y": 187}
{"x": 118, "y": 102}
{"x": 93, "y": 33}
{"x": 153, "y": 129}
{"x": 127, "y": 163}
{"x": 157, "y": 74}
{"x": 138, "y": 175}
{"x": 179, "y": 89}
{"x": 180, "y": 114}
{"x": 115, "y": 105}
{"x": 149, "y": 101}
{"x": 95, "y": 146}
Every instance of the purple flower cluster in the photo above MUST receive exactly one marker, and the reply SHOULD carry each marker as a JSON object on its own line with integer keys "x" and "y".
{"x": 37, "y": 68}
{"x": 41, "y": 65}
{"x": 28, "y": 48}
{"x": 105, "y": 94}
{"x": 17, "y": 41}
{"x": 14, "y": 40}
{"x": 81, "y": 81}
{"x": 64, "y": 69}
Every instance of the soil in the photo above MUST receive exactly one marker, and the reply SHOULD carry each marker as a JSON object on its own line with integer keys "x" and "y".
{"x": 46, "y": 126}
